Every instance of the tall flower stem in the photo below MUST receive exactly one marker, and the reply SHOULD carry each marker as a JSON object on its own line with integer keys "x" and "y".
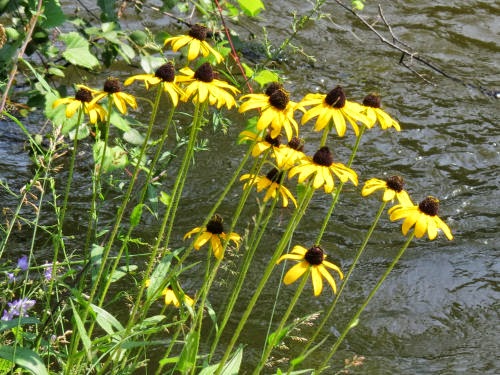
{"x": 252, "y": 247}
{"x": 169, "y": 215}
{"x": 338, "y": 190}
{"x": 344, "y": 283}
{"x": 355, "y": 319}
{"x": 116, "y": 227}
{"x": 284, "y": 241}
{"x": 276, "y": 336}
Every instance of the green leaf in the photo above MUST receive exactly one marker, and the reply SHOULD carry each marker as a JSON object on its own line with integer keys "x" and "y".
{"x": 24, "y": 358}
{"x": 82, "y": 331}
{"x": 134, "y": 137}
{"x": 120, "y": 121}
{"x": 265, "y": 77}
{"x": 8, "y": 324}
{"x": 53, "y": 13}
{"x": 114, "y": 158}
{"x": 251, "y": 7}
{"x": 108, "y": 10}
{"x": 165, "y": 198}
{"x": 188, "y": 355}
{"x": 232, "y": 367}
{"x": 159, "y": 274}
{"x": 135, "y": 216}
{"x": 95, "y": 259}
{"x": 107, "y": 321}
{"x": 122, "y": 271}
{"x": 77, "y": 50}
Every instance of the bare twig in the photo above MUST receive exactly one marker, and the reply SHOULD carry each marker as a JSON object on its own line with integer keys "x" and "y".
{"x": 397, "y": 44}
{"x": 29, "y": 32}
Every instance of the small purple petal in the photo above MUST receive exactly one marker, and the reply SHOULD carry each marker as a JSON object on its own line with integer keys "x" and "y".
{"x": 22, "y": 263}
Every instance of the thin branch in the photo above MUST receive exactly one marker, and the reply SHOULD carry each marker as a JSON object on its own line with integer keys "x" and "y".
{"x": 13, "y": 72}
{"x": 397, "y": 44}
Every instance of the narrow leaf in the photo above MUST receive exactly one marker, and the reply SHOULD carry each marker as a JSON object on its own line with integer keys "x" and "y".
{"x": 24, "y": 358}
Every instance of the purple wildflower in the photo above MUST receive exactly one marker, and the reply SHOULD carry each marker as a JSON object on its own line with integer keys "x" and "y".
{"x": 11, "y": 277}
{"x": 48, "y": 271}
{"x": 18, "y": 308}
{"x": 22, "y": 263}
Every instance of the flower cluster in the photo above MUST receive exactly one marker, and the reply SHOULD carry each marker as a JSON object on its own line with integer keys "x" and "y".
{"x": 18, "y": 308}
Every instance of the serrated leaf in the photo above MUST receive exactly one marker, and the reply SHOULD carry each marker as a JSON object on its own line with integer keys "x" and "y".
{"x": 77, "y": 50}
{"x": 265, "y": 77}
{"x": 53, "y": 13}
{"x": 24, "y": 358}
{"x": 251, "y": 7}
{"x": 135, "y": 216}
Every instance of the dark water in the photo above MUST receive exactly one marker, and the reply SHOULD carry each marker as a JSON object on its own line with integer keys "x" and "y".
{"x": 438, "y": 311}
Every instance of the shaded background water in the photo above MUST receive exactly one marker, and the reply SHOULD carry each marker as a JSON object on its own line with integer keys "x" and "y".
{"x": 438, "y": 311}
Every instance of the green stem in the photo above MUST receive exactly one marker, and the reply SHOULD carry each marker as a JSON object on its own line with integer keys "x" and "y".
{"x": 355, "y": 319}
{"x": 277, "y": 332}
{"x": 336, "y": 195}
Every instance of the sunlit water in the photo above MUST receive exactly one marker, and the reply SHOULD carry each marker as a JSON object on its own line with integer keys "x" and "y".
{"x": 438, "y": 311}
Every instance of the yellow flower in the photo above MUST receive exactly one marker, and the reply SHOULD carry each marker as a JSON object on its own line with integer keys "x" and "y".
{"x": 322, "y": 168}
{"x": 82, "y": 99}
{"x": 213, "y": 232}
{"x": 171, "y": 297}
{"x": 196, "y": 41}
{"x": 164, "y": 75}
{"x": 424, "y": 217}
{"x": 371, "y": 108}
{"x": 113, "y": 90}
{"x": 290, "y": 154}
{"x": 276, "y": 110}
{"x": 393, "y": 188}
{"x": 333, "y": 107}
{"x": 273, "y": 183}
{"x": 313, "y": 259}
{"x": 203, "y": 86}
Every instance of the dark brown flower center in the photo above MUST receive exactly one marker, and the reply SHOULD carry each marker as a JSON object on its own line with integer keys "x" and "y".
{"x": 112, "y": 85}
{"x": 204, "y": 73}
{"x": 83, "y": 95}
{"x": 275, "y": 142}
{"x": 336, "y": 98}
{"x": 166, "y": 72}
{"x": 372, "y": 100}
{"x": 323, "y": 157}
{"x": 429, "y": 206}
{"x": 395, "y": 183}
{"x": 314, "y": 256}
{"x": 279, "y": 99}
{"x": 273, "y": 87}
{"x": 214, "y": 226}
{"x": 198, "y": 32}
{"x": 275, "y": 175}
{"x": 296, "y": 143}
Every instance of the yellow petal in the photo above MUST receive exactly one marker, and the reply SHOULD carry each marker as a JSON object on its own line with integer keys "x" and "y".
{"x": 295, "y": 272}
{"x": 317, "y": 281}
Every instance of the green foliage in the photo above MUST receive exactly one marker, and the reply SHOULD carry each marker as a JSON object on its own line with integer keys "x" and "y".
{"x": 24, "y": 358}
{"x": 77, "y": 51}
{"x": 251, "y": 7}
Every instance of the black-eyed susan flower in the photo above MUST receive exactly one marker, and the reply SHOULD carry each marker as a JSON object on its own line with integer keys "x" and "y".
{"x": 273, "y": 182}
{"x": 113, "y": 91}
{"x": 83, "y": 99}
{"x": 333, "y": 107}
{"x": 372, "y": 110}
{"x": 164, "y": 75}
{"x": 196, "y": 42}
{"x": 291, "y": 154}
{"x": 277, "y": 110}
{"x": 313, "y": 259}
{"x": 203, "y": 86}
{"x": 423, "y": 216}
{"x": 171, "y": 297}
{"x": 213, "y": 232}
{"x": 321, "y": 169}
{"x": 393, "y": 188}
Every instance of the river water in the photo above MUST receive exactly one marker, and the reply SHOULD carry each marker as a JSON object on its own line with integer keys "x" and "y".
{"x": 438, "y": 311}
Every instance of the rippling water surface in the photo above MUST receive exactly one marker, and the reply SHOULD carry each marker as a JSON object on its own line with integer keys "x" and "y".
{"x": 438, "y": 311}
